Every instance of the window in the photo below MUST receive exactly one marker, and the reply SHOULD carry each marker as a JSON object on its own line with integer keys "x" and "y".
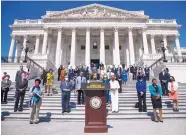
{"x": 82, "y": 47}
{"x": 120, "y": 47}
{"x": 69, "y": 47}
{"x": 107, "y": 47}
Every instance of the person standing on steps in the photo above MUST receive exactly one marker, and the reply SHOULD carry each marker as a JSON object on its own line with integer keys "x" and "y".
{"x": 114, "y": 86}
{"x": 44, "y": 78}
{"x": 141, "y": 91}
{"x": 164, "y": 78}
{"x": 21, "y": 86}
{"x": 5, "y": 87}
{"x": 124, "y": 76}
{"x": 66, "y": 88}
{"x": 156, "y": 94}
{"x": 80, "y": 79}
{"x": 135, "y": 69}
{"x": 49, "y": 83}
{"x": 70, "y": 73}
{"x": 59, "y": 72}
{"x": 36, "y": 95}
{"x": 173, "y": 92}
{"x": 106, "y": 80}
{"x": 147, "y": 71}
{"x": 63, "y": 74}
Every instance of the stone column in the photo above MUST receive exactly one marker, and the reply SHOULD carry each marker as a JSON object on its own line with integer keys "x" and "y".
{"x": 16, "y": 53}
{"x": 37, "y": 44}
{"x": 24, "y": 46}
{"x": 153, "y": 44}
{"x": 58, "y": 48}
{"x": 73, "y": 45}
{"x": 165, "y": 44}
{"x": 102, "y": 46}
{"x": 140, "y": 52}
{"x": 145, "y": 45}
{"x": 11, "y": 48}
{"x": 128, "y": 57}
{"x": 178, "y": 46}
{"x": 131, "y": 47}
{"x": 45, "y": 39}
{"x": 116, "y": 47}
{"x": 87, "y": 47}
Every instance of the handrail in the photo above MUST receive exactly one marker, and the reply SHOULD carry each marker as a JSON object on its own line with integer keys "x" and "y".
{"x": 34, "y": 62}
{"x": 156, "y": 62}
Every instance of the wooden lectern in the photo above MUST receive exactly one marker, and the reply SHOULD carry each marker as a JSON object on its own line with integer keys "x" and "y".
{"x": 95, "y": 107}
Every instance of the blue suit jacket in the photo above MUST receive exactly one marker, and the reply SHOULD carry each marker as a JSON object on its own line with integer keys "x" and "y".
{"x": 66, "y": 85}
{"x": 141, "y": 86}
{"x": 153, "y": 91}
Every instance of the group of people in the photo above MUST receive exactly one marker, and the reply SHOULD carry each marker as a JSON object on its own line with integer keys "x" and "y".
{"x": 72, "y": 79}
{"x": 169, "y": 87}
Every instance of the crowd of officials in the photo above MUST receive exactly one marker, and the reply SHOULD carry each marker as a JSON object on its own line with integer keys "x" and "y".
{"x": 71, "y": 79}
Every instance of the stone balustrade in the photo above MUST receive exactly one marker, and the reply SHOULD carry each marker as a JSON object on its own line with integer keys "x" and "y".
{"x": 28, "y": 21}
{"x": 161, "y": 21}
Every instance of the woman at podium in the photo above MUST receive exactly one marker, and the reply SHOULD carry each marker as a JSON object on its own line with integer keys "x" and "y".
{"x": 114, "y": 86}
{"x": 106, "y": 80}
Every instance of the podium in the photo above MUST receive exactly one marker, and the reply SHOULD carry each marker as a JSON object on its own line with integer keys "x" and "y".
{"x": 95, "y": 107}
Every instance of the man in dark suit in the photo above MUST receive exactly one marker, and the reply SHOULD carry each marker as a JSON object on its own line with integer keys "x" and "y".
{"x": 101, "y": 65}
{"x": 59, "y": 72}
{"x": 66, "y": 88}
{"x": 21, "y": 86}
{"x": 70, "y": 73}
{"x": 118, "y": 77}
{"x": 164, "y": 78}
{"x": 114, "y": 70}
{"x": 135, "y": 69}
{"x": 19, "y": 73}
{"x": 147, "y": 71}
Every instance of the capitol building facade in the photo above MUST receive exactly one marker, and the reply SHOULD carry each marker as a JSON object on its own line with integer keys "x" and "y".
{"x": 94, "y": 33}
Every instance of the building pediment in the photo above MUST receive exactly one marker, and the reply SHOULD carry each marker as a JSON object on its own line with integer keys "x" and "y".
{"x": 94, "y": 11}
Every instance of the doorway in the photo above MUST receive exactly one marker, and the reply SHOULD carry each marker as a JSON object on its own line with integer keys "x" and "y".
{"x": 95, "y": 61}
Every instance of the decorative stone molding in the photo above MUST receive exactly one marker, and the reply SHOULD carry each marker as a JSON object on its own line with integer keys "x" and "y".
{"x": 38, "y": 35}
{"x": 102, "y": 29}
{"x": 12, "y": 36}
{"x": 73, "y": 29}
{"x": 130, "y": 29}
{"x": 152, "y": 36}
{"x": 60, "y": 28}
{"x": 25, "y": 36}
{"x": 116, "y": 29}
{"x": 94, "y": 11}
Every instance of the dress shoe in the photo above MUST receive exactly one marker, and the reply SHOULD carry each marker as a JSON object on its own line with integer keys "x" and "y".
{"x": 144, "y": 110}
{"x": 20, "y": 109}
{"x": 36, "y": 122}
{"x": 140, "y": 110}
{"x": 31, "y": 122}
{"x": 63, "y": 111}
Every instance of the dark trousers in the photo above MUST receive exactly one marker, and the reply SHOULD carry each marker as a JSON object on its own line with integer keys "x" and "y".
{"x": 80, "y": 97}
{"x": 134, "y": 76}
{"x": 147, "y": 76}
{"x": 120, "y": 84}
{"x": 164, "y": 87}
{"x": 44, "y": 81}
{"x": 4, "y": 94}
{"x": 58, "y": 78}
{"x": 65, "y": 101}
{"x": 140, "y": 99}
{"x": 19, "y": 96}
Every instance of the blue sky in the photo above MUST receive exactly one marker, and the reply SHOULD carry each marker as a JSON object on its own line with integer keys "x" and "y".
{"x": 34, "y": 10}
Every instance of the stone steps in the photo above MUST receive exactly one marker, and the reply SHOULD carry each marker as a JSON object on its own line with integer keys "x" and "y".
{"x": 68, "y": 117}
{"x": 51, "y": 106}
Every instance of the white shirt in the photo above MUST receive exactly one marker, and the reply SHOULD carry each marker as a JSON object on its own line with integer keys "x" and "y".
{"x": 114, "y": 84}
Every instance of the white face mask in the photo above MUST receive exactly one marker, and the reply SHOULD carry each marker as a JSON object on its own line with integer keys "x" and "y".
{"x": 6, "y": 78}
{"x": 66, "y": 79}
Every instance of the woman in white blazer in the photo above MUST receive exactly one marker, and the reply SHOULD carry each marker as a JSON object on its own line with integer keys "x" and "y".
{"x": 173, "y": 92}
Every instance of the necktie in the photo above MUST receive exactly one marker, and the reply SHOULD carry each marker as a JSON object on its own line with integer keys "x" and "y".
{"x": 81, "y": 78}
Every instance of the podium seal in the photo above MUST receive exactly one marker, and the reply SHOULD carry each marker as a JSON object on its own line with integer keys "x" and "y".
{"x": 95, "y": 102}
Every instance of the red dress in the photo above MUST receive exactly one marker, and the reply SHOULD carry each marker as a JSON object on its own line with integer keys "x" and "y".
{"x": 174, "y": 95}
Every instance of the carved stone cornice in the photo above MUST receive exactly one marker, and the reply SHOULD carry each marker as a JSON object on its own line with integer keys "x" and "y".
{"x": 94, "y": 11}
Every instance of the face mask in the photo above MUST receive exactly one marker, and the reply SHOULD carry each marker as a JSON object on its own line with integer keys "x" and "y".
{"x": 37, "y": 84}
{"x": 6, "y": 78}
{"x": 66, "y": 79}
{"x": 23, "y": 77}
{"x": 112, "y": 78}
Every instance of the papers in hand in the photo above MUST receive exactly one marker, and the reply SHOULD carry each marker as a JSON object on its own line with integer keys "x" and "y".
{"x": 66, "y": 90}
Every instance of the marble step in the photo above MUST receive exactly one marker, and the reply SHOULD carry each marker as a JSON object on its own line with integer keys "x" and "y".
{"x": 82, "y": 117}
{"x": 49, "y": 109}
{"x": 73, "y": 112}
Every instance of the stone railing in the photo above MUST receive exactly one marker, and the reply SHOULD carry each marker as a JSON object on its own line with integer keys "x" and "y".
{"x": 28, "y": 21}
{"x": 161, "y": 21}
